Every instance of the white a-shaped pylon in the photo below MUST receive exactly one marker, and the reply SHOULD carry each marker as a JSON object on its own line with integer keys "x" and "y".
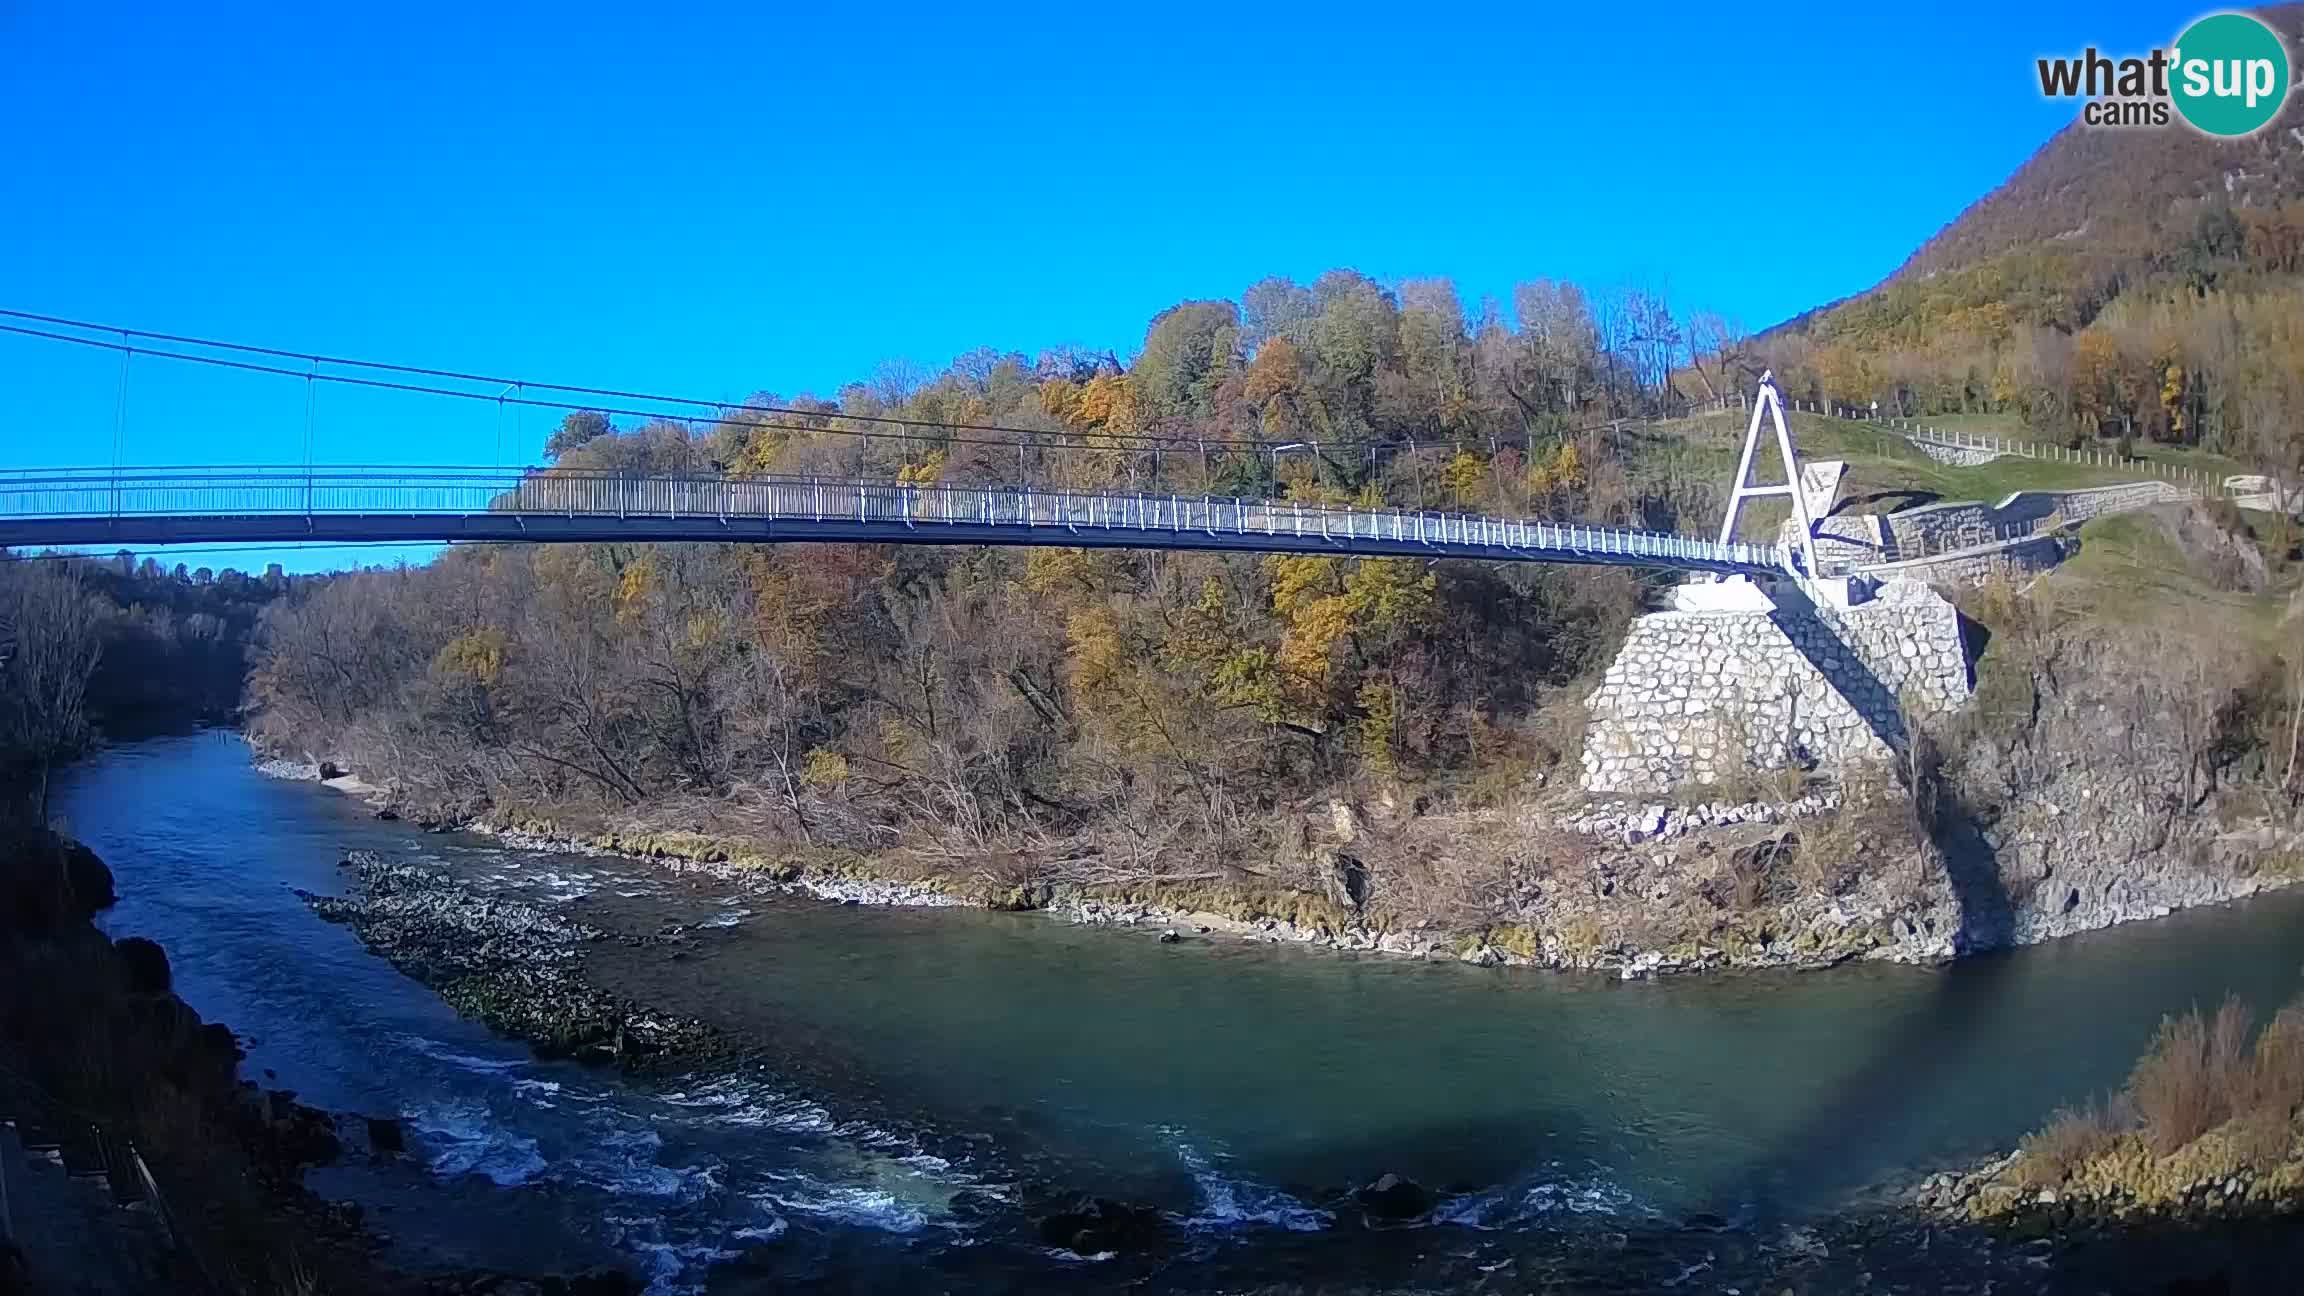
{"x": 1769, "y": 403}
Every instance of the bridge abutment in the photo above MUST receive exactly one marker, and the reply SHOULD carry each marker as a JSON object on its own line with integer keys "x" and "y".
{"x": 1699, "y": 697}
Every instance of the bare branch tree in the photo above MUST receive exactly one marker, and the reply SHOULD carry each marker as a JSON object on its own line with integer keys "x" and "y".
{"x": 50, "y": 642}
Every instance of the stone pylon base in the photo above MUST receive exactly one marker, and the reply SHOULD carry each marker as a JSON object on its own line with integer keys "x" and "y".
{"x": 1698, "y": 697}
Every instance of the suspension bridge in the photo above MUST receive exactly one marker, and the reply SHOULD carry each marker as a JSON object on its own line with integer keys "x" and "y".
{"x": 122, "y": 504}
{"x": 141, "y": 506}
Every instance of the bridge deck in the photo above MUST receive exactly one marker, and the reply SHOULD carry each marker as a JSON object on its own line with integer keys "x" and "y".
{"x": 166, "y": 506}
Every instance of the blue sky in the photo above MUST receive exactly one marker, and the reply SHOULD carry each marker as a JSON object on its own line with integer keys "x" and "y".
{"x": 739, "y": 199}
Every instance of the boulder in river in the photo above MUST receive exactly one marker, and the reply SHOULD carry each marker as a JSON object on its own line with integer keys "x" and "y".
{"x": 386, "y": 1137}
{"x": 507, "y": 963}
{"x": 1390, "y": 1197}
{"x": 89, "y": 881}
{"x": 1096, "y": 1225}
{"x": 47, "y": 881}
{"x": 144, "y": 965}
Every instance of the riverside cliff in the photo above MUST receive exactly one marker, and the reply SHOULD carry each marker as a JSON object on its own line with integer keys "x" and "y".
{"x": 102, "y": 1055}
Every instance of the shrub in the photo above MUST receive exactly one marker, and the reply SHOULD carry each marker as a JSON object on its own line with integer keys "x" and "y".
{"x": 2070, "y": 1139}
{"x": 2201, "y": 1075}
{"x": 2277, "y": 1078}
{"x": 2183, "y": 1087}
{"x": 2230, "y": 1069}
{"x": 1873, "y": 831}
{"x": 2261, "y": 1139}
{"x": 1517, "y": 940}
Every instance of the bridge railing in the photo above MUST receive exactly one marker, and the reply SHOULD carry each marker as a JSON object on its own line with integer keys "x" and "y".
{"x": 256, "y": 491}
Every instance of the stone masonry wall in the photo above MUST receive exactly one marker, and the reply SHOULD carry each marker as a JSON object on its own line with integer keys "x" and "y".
{"x": 1957, "y": 456}
{"x": 1873, "y": 541}
{"x": 1860, "y": 538}
{"x": 2009, "y": 560}
{"x": 1933, "y": 526}
{"x": 1695, "y": 697}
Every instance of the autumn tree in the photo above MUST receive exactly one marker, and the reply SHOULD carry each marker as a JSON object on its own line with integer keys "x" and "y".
{"x": 49, "y": 647}
{"x": 1186, "y": 352}
{"x": 1434, "y": 379}
{"x": 578, "y": 429}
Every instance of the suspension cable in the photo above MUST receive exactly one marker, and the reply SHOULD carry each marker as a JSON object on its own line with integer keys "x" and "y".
{"x": 569, "y": 389}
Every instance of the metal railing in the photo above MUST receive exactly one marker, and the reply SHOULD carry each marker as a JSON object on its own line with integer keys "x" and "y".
{"x": 1914, "y": 543}
{"x": 2192, "y": 481}
{"x": 880, "y": 507}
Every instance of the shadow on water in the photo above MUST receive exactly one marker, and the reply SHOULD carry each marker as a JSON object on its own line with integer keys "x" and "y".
{"x": 1941, "y": 1039}
{"x": 1452, "y": 1156}
{"x": 1948, "y": 1029}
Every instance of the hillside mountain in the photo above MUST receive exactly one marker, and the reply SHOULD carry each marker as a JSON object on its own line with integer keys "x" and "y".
{"x": 2126, "y": 282}
{"x": 2125, "y": 191}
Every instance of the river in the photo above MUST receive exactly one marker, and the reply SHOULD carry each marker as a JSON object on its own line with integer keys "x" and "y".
{"x": 943, "y": 1060}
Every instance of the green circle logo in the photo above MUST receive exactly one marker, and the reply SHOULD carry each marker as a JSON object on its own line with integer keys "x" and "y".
{"x": 2228, "y": 74}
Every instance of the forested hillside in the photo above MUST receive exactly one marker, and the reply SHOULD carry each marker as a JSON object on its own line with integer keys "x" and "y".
{"x": 1118, "y": 711}
{"x": 116, "y": 647}
{"x": 2124, "y": 194}
{"x": 2124, "y": 282}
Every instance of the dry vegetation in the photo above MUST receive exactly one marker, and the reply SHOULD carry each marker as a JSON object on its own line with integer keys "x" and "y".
{"x": 2127, "y": 666}
{"x": 1017, "y": 719}
{"x": 2211, "y": 1097}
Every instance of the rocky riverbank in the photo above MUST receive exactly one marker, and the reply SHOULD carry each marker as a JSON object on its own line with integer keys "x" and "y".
{"x": 510, "y": 965}
{"x": 1996, "y": 847}
{"x": 1626, "y": 837}
{"x": 2208, "y": 1128}
{"x": 2138, "y": 1187}
{"x": 104, "y": 1057}
{"x": 1815, "y": 936}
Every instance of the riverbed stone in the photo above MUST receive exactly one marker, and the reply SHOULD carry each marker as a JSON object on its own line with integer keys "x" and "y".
{"x": 508, "y": 964}
{"x": 1101, "y": 1226}
{"x": 1394, "y": 1198}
